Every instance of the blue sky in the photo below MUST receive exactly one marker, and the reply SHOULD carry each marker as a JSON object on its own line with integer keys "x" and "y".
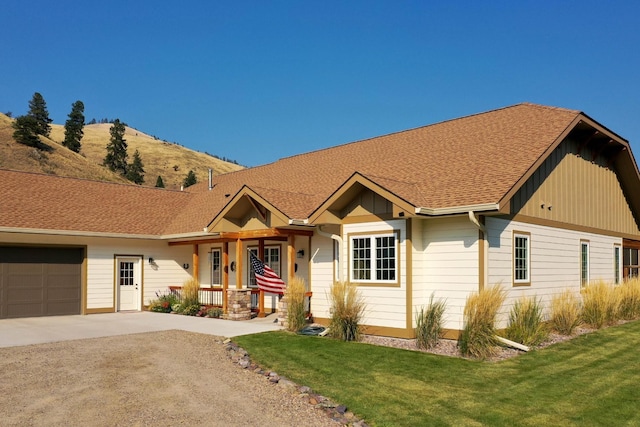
{"x": 255, "y": 81}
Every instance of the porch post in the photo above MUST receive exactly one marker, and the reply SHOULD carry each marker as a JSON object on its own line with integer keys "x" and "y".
{"x": 291, "y": 257}
{"x": 225, "y": 276}
{"x": 196, "y": 269}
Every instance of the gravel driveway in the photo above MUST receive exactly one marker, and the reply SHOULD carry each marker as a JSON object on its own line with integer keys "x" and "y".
{"x": 148, "y": 379}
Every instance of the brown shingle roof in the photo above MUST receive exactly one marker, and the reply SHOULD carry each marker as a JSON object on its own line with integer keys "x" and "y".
{"x": 466, "y": 161}
{"x": 48, "y": 202}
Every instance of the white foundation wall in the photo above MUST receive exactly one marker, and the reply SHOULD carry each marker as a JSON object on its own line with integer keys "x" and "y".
{"x": 445, "y": 264}
{"x": 166, "y": 270}
{"x": 554, "y": 260}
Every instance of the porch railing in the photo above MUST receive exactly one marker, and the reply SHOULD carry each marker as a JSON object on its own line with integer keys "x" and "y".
{"x": 213, "y": 297}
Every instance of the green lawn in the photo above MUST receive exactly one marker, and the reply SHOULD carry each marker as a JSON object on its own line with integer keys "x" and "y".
{"x": 591, "y": 380}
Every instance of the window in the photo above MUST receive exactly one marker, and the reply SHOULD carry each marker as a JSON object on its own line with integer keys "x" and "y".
{"x": 126, "y": 273}
{"x": 271, "y": 258}
{"x": 617, "y": 264}
{"x": 584, "y": 263}
{"x": 630, "y": 261}
{"x": 216, "y": 270}
{"x": 374, "y": 258}
{"x": 521, "y": 258}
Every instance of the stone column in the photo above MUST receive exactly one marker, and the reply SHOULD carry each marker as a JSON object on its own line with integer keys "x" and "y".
{"x": 239, "y": 305}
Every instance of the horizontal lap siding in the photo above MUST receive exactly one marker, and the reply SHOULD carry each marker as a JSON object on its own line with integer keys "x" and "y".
{"x": 554, "y": 257}
{"x": 446, "y": 263}
{"x": 322, "y": 274}
{"x": 386, "y": 305}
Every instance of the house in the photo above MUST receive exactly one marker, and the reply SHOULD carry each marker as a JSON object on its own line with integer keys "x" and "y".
{"x": 536, "y": 198}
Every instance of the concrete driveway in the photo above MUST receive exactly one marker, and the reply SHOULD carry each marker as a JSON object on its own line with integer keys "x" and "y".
{"x": 38, "y": 330}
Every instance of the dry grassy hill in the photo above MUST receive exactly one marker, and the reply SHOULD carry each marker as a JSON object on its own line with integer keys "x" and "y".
{"x": 171, "y": 161}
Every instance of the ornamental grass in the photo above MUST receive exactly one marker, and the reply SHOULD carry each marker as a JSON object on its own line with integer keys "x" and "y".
{"x": 565, "y": 312}
{"x": 347, "y": 311}
{"x": 478, "y": 336}
{"x": 526, "y": 322}
{"x": 429, "y": 324}
{"x": 599, "y": 304}
{"x": 294, "y": 295}
{"x": 629, "y": 299}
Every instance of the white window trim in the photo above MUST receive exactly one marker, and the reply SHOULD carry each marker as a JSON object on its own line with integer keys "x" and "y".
{"x": 372, "y": 237}
{"x": 219, "y": 251}
{"x": 527, "y": 237}
{"x": 585, "y": 281}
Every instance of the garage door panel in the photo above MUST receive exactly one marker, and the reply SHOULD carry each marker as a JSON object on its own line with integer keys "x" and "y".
{"x": 40, "y": 281}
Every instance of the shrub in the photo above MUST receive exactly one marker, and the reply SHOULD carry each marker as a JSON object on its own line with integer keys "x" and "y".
{"x": 629, "y": 299}
{"x": 347, "y": 311}
{"x": 526, "y": 322}
{"x": 190, "y": 290}
{"x": 163, "y": 303}
{"x": 190, "y": 310}
{"x": 429, "y": 324}
{"x": 599, "y": 304}
{"x": 294, "y": 295}
{"x": 215, "y": 312}
{"x": 477, "y": 338}
{"x": 565, "y": 314}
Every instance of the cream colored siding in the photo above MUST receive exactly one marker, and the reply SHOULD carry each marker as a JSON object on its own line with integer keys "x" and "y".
{"x": 386, "y": 304}
{"x": 446, "y": 264}
{"x": 322, "y": 274}
{"x": 572, "y": 187}
{"x": 554, "y": 256}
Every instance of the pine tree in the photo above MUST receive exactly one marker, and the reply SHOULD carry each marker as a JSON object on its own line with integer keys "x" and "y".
{"x": 73, "y": 128}
{"x": 190, "y": 179}
{"x": 116, "y": 158}
{"x": 135, "y": 171}
{"x": 159, "y": 182}
{"x": 38, "y": 110}
{"x": 26, "y": 131}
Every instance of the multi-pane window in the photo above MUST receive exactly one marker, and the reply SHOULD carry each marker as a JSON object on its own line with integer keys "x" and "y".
{"x": 521, "y": 258}
{"x": 126, "y": 273}
{"x": 374, "y": 258}
{"x": 630, "y": 261}
{"x": 584, "y": 263}
{"x": 271, "y": 258}
{"x": 216, "y": 268}
{"x": 617, "y": 263}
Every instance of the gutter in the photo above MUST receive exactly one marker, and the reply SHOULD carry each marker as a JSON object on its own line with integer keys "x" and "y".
{"x": 337, "y": 239}
{"x": 76, "y": 233}
{"x": 457, "y": 209}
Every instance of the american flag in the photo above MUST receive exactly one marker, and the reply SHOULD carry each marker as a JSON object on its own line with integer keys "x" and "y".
{"x": 266, "y": 278}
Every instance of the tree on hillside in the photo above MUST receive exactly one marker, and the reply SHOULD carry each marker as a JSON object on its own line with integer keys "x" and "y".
{"x": 73, "y": 127}
{"x": 190, "y": 179}
{"x": 26, "y": 131}
{"x": 135, "y": 171}
{"x": 116, "y": 158}
{"x": 159, "y": 182}
{"x": 38, "y": 110}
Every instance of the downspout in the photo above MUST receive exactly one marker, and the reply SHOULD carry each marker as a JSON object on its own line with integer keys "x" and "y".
{"x": 337, "y": 239}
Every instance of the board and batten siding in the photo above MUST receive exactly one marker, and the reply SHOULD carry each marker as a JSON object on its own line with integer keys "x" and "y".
{"x": 573, "y": 188}
{"x": 554, "y": 259}
{"x": 446, "y": 263}
{"x": 386, "y": 305}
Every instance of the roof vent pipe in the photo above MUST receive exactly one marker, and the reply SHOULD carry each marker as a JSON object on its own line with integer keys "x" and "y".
{"x": 210, "y": 179}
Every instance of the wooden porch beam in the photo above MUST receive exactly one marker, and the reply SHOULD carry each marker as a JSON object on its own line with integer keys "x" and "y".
{"x": 196, "y": 263}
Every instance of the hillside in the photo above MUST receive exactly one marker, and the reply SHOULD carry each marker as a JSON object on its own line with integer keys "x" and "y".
{"x": 171, "y": 161}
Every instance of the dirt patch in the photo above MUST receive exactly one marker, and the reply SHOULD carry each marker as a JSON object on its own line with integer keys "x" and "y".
{"x": 160, "y": 378}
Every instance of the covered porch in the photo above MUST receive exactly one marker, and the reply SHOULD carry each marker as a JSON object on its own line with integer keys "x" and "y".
{"x": 285, "y": 250}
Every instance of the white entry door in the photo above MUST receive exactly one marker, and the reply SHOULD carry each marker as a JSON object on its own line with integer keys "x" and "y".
{"x": 129, "y": 283}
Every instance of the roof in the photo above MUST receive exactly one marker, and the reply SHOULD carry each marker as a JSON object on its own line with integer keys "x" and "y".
{"x": 472, "y": 160}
